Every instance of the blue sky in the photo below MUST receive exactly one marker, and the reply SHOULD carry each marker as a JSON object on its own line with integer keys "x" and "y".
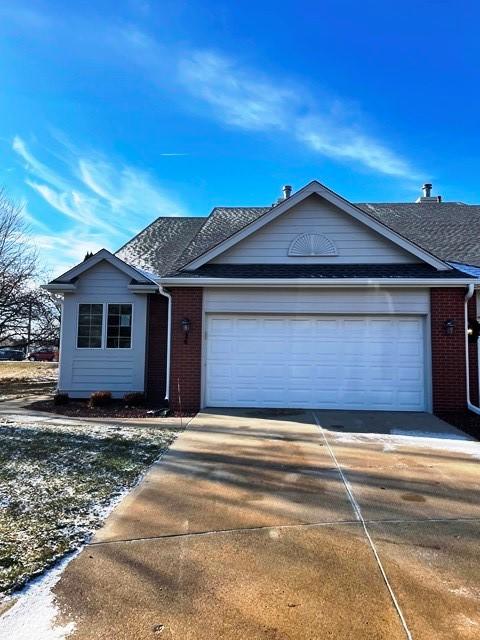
{"x": 113, "y": 113}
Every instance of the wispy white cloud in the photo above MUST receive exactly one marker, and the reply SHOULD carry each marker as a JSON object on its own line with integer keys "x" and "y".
{"x": 67, "y": 248}
{"x": 102, "y": 203}
{"x": 249, "y": 100}
{"x": 35, "y": 167}
{"x": 239, "y": 98}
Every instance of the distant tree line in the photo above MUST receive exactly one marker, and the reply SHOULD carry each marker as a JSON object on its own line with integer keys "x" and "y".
{"x": 29, "y": 315}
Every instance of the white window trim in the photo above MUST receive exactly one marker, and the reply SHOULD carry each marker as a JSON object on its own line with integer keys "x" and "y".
{"x": 103, "y": 346}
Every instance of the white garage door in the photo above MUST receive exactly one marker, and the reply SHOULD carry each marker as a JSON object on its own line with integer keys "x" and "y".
{"x": 335, "y": 362}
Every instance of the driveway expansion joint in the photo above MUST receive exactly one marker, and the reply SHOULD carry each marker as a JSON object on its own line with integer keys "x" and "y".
{"x": 358, "y": 514}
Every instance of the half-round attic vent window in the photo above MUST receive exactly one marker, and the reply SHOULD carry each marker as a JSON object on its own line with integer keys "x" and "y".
{"x": 312, "y": 244}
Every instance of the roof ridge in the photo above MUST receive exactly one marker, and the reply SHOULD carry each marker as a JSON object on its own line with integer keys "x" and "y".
{"x": 207, "y": 218}
{"x": 241, "y": 206}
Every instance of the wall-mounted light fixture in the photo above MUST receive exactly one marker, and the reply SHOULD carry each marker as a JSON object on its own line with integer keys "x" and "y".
{"x": 473, "y": 330}
{"x": 449, "y": 326}
{"x": 185, "y": 324}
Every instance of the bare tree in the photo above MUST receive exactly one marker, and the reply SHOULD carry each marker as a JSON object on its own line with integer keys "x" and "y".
{"x": 42, "y": 322}
{"x": 28, "y": 314}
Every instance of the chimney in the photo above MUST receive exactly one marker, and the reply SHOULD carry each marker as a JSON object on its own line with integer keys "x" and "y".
{"x": 287, "y": 191}
{"x": 427, "y": 194}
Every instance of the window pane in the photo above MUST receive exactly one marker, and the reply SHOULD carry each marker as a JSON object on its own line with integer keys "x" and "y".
{"x": 125, "y": 320}
{"x": 119, "y": 326}
{"x": 89, "y": 332}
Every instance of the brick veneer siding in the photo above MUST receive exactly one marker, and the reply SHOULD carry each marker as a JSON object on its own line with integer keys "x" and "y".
{"x": 156, "y": 362}
{"x": 186, "y": 360}
{"x": 448, "y": 352}
{"x": 473, "y": 353}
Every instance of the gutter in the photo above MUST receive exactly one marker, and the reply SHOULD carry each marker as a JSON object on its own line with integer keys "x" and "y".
{"x": 470, "y": 406}
{"x": 317, "y": 282}
{"x": 169, "y": 339}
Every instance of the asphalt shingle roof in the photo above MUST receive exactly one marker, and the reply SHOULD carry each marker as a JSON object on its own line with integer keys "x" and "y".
{"x": 448, "y": 230}
{"x": 158, "y": 247}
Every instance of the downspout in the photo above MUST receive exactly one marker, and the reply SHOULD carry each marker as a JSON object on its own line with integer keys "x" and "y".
{"x": 169, "y": 339}
{"x": 470, "y": 406}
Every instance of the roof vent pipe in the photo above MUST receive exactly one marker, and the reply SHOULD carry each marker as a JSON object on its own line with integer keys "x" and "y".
{"x": 287, "y": 191}
{"x": 427, "y": 194}
{"x": 427, "y": 190}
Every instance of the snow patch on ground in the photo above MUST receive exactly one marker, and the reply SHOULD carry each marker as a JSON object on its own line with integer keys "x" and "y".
{"x": 452, "y": 442}
{"x": 430, "y": 434}
{"x": 33, "y": 615}
{"x": 58, "y": 482}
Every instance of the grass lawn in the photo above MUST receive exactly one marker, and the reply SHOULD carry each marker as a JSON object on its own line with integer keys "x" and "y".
{"x": 26, "y": 378}
{"x": 56, "y": 482}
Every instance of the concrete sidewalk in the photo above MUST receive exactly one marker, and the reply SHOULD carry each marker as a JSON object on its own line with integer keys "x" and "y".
{"x": 262, "y": 524}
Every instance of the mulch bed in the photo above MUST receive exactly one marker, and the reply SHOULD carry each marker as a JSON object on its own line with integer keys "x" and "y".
{"x": 465, "y": 420}
{"x": 82, "y": 409}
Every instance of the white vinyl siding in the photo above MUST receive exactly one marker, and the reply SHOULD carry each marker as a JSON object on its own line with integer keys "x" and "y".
{"x": 302, "y": 300}
{"x": 334, "y": 362}
{"x": 355, "y": 242}
{"x": 83, "y": 371}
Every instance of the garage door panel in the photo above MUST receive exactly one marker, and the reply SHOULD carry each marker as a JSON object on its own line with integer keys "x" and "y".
{"x": 326, "y": 327}
{"x": 409, "y": 349}
{"x": 325, "y": 397}
{"x": 381, "y": 373}
{"x": 410, "y": 374}
{"x": 408, "y": 398}
{"x": 380, "y": 398}
{"x": 315, "y": 361}
{"x": 355, "y": 327}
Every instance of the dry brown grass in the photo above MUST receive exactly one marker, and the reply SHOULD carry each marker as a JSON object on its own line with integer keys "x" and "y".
{"x": 24, "y": 370}
{"x": 27, "y": 378}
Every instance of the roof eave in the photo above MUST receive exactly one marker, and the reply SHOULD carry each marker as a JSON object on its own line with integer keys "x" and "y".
{"x": 103, "y": 254}
{"x": 316, "y": 282}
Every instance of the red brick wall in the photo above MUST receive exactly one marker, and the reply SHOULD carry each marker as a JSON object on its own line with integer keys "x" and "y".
{"x": 448, "y": 352}
{"x": 473, "y": 353}
{"x": 186, "y": 364}
{"x": 156, "y": 361}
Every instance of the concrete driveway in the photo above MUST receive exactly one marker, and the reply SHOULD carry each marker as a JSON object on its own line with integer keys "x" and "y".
{"x": 291, "y": 525}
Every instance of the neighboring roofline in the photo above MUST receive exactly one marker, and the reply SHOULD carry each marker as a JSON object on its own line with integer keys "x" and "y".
{"x": 316, "y": 282}
{"x": 59, "y": 287}
{"x": 143, "y": 288}
{"x": 103, "y": 254}
{"x": 315, "y": 187}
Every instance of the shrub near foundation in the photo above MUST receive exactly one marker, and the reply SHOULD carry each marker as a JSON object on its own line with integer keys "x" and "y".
{"x": 100, "y": 399}
{"x": 134, "y": 399}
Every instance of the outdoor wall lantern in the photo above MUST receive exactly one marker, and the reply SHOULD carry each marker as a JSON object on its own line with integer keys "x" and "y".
{"x": 185, "y": 324}
{"x": 473, "y": 330}
{"x": 449, "y": 327}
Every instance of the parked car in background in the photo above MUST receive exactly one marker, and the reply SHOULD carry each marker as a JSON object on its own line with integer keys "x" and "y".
{"x": 46, "y": 354}
{"x": 11, "y": 354}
